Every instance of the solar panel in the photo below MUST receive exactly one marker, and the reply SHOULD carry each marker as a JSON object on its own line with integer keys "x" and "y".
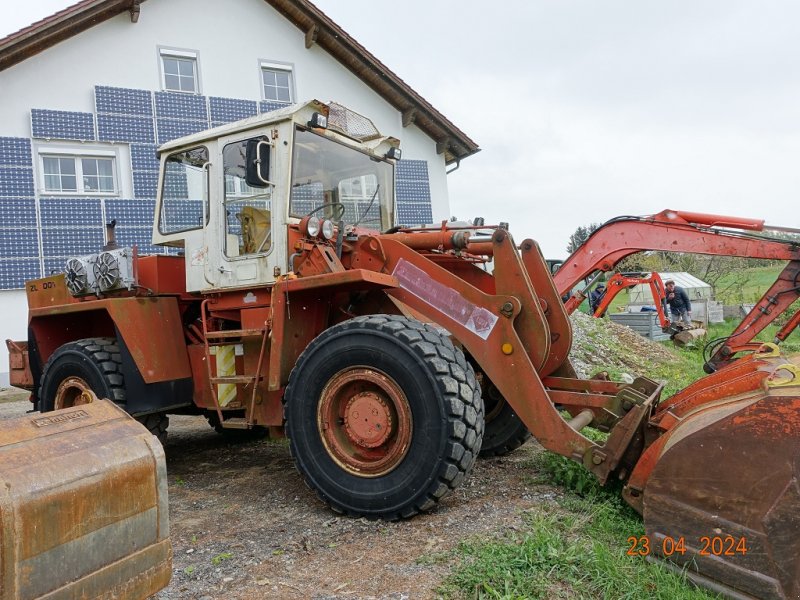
{"x": 412, "y": 190}
{"x": 412, "y": 169}
{"x": 131, "y": 213}
{"x": 15, "y": 272}
{"x": 266, "y": 106}
{"x": 16, "y": 182}
{"x": 72, "y": 241}
{"x": 70, "y": 212}
{"x": 170, "y": 129}
{"x": 145, "y": 184}
{"x": 178, "y": 215}
{"x": 62, "y": 125}
{"x": 18, "y": 243}
{"x": 181, "y": 106}
{"x": 15, "y": 152}
{"x": 19, "y": 212}
{"x": 54, "y": 265}
{"x": 115, "y": 128}
{"x": 141, "y": 237}
{"x": 227, "y": 110}
{"x": 144, "y": 157}
{"x": 417, "y": 213}
{"x": 123, "y": 101}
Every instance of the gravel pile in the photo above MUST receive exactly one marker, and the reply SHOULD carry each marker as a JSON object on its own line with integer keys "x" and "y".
{"x": 601, "y": 344}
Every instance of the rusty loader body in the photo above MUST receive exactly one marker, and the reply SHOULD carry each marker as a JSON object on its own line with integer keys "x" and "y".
{"x": 390, "y": 356}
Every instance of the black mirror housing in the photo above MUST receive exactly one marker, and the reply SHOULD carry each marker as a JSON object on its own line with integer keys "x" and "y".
{"x": 257, "y": 161}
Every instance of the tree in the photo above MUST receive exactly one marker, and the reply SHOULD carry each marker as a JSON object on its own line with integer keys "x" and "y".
{"x": 577, "y": 239}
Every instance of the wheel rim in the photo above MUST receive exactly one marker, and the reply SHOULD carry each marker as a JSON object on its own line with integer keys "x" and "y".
{"x": 73, "y": 391}
{"x": 365, "y": 421}
{"x": 493, "y": 401}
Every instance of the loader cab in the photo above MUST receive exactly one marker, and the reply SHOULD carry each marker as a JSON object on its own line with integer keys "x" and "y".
{"x": 230, "y": 196}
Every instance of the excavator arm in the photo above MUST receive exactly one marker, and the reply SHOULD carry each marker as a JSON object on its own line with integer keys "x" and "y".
{"x": 694, "y": 233}
{"x": 619, "y": 282}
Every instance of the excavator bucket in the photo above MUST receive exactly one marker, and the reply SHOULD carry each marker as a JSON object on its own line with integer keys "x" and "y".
{"x": 723, "y": 496}
{"x": 83, "y": 506}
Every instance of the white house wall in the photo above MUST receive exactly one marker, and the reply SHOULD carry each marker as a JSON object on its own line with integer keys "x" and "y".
{"x": 230, "y": 39}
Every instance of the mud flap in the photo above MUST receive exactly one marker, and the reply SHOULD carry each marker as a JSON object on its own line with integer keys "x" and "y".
{"x": 726, "y": 489}
{"x": 83, "y": 506}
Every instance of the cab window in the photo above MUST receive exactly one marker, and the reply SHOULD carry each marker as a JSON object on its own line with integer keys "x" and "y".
{"x": 248, "y": 210}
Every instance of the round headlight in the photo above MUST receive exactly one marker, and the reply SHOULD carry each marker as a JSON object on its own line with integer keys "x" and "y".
{"x": 312, "y": 227}
{"x": 327, "y": 229}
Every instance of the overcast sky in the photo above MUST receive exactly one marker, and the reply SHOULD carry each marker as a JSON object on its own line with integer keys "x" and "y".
{"x": 589, "y": 109}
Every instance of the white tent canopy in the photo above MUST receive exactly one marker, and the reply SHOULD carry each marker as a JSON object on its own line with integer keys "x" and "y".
{"x": 697, "y": 289}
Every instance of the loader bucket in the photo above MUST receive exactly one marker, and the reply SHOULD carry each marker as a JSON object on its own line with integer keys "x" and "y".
{"x": 723, "y": 498}
{"x": 83, "y": 506}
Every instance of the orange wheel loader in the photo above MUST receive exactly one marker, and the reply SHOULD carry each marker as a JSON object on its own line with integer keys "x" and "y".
{"x": 390, "y": 358}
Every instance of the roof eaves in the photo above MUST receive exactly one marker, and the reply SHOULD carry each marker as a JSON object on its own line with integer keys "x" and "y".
{"x": 60, "y": 26}
{"x": 321, "y": 30}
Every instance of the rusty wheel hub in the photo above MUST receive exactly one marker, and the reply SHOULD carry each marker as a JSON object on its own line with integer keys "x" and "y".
{"x": 73, "y": 391}
{"x": 365, "y": 421}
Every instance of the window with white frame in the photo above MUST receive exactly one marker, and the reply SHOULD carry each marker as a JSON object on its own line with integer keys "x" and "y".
{"x": 70, "y": 174}
{"x": 179, "y": 71}
{"x": 276, "y": 81}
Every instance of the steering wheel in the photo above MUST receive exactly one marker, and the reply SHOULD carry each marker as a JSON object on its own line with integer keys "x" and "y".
{"x": 340, "y": 209}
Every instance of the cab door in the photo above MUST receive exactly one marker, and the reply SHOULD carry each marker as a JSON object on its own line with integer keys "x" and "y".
{"x": 248, "y": 239}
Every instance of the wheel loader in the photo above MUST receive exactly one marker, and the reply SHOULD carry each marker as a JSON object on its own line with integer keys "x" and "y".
{"x": 391, "y": 357}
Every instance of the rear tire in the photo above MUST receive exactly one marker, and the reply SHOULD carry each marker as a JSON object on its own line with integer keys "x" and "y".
{"x": 505, "y": 431}
{"x": 384, "y": 416}
{"x": 80, "y": 372}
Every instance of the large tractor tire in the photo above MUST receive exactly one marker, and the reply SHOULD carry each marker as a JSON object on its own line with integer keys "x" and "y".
{"x": 505, "y": 431}
{"x": 384, "y": 416}
{"x": 80, "y": 372}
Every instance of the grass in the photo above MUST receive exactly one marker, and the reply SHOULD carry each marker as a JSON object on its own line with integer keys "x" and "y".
{"x": 576, "y": 549}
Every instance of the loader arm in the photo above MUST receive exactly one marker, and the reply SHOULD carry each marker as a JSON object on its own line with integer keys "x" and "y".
{"x": 694, "y": 233}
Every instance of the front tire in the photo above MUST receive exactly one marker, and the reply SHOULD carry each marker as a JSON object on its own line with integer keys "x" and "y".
{"x": 83, "y": 371}
{"x": 384, "y": 416}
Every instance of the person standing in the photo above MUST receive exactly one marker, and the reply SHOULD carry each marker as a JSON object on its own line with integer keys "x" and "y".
{"x": 679, "y": 304}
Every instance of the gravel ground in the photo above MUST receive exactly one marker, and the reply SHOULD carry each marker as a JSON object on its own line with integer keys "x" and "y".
{"x": 244, "y": 525}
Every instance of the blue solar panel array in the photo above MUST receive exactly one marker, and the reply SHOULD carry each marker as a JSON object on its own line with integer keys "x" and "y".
{"x": 413, "y": 193}
{"x": 123, "y": 101}
{"x": 172, "y": 105}
{"x": 228, "y": 110}
{"x": 15, "y": 152}
{"x": 62, "y": 125}
{"x": 119, "y": 128}
{"x": 266, "y": 106}
{"x": 145, "y": 184}
{"x": 19, "y": 238}
{"x": 169, "y": 129}
{"x": 144, "y": 157}
{"x": 16, "y": 182}
{"x": 131, "y": 213}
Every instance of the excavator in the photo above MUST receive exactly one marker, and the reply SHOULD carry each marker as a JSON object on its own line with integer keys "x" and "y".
{"x": 622, "y": 281}
{"x": 390, "y": 358}
{"x": 696, "y": 233}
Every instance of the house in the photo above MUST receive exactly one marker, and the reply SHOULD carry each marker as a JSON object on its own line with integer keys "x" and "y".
{"x": 87, "y": 94}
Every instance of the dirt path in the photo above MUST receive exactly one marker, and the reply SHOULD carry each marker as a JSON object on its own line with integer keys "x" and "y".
{"x": 244, "y": 526}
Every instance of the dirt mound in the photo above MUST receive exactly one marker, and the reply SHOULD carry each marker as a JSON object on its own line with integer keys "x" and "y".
{"x": 601, "y": 344}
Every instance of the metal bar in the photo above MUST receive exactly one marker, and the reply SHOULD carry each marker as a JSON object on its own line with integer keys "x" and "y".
{"x": 204, "y": 321}
{"x": 581, "y": 420}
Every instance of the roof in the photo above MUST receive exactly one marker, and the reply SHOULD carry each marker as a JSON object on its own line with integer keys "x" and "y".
{"x": 318, "y": 28}
{"x": 685, "y": 280}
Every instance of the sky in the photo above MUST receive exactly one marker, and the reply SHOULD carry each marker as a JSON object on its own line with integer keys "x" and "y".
{"x": 586, "y": 109}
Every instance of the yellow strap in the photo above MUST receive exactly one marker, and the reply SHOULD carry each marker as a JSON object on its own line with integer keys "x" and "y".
{"x": 774, "y": 381}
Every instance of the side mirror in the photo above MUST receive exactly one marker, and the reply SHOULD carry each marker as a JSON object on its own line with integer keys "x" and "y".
{"x": 257, "y": 163}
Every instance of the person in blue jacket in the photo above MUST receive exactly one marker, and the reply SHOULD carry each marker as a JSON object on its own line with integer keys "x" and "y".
{"x": 679, "y": 304}
{"x": 596, "y": 296}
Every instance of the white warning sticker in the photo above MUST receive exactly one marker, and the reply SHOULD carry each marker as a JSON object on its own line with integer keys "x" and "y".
{"x": 416, "y": 281}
